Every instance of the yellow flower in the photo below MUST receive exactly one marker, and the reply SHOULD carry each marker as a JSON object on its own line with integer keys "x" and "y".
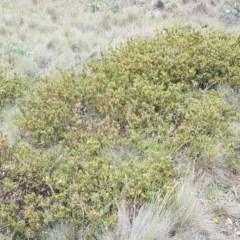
{"x": 215, "y": 220}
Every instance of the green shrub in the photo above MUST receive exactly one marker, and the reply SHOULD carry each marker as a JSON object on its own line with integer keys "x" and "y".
{"x": 13, "y": 49}
{"x": 95, "y": 5}
{"x": 11, "y": 87}
{"x": 43, "y": 188}
{"x": 113, "y": 132}
{"x": 167, "y": 86}
{"x": 49, "y": 109}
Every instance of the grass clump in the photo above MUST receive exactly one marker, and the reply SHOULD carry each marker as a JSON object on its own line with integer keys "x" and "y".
{"x": 178, "y": 216}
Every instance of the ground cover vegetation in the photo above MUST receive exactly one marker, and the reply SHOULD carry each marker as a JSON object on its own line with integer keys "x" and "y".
{"x": 120, "y": 132}
{"x": 112, "y": 132}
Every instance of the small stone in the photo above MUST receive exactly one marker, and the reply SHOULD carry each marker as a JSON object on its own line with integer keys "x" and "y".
{"x": 236, "y": 148}
{"x": 238, "y": 233}
{"x": 229, "y": 221}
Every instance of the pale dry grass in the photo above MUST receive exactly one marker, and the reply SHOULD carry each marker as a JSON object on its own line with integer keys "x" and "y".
{"x": 66, "y": 33}
{"x": 63, "y": 231}
{"x": 180, "y": 216}
{"x": 7, "y": 125}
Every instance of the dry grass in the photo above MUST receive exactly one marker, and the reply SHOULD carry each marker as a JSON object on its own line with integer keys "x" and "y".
{"x": 7, "y": 125}
{"x": 60, "y": 232}
{"x": 67, "y": 33}
{"x": 63, "y": 33}
{"x": 180, "y": 216}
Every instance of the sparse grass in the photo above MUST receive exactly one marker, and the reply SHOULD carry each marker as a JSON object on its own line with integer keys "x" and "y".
{"x": 63, "y": 231}
{"x": 77, "y": 24}
{"x": 7, "y": 124}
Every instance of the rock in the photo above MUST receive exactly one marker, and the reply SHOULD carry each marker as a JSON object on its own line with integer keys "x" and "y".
{"x": 228, "y": 221}
{"x": 157, "y": 5}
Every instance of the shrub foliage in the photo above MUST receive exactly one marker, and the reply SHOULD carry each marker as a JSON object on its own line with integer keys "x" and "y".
{"x": 12, "y": 87}
{"x": 111, "y": 133}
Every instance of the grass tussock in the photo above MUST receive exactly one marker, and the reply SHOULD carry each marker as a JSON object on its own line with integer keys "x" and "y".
{"x": 179, "y": 214}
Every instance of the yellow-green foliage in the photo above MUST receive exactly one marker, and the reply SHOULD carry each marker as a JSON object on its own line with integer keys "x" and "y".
{"x": 80, "y": 184}
{"x": 49, "y": 109}
{"x": 167, "y": 86}
{"x": 111, "y": 133}
{"x": 11, "y": 87}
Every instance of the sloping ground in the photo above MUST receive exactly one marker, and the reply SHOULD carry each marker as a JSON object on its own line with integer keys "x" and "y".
{"x": 37, "y": 36}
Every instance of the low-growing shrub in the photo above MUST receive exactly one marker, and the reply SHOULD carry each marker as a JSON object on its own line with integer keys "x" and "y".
{"x": 49, "y": 109}
{"x": 87, "y": 141}
{"x": 40, "y": 189}
{"x": 167, "y": 86}
{"x": 12, "y": 87}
